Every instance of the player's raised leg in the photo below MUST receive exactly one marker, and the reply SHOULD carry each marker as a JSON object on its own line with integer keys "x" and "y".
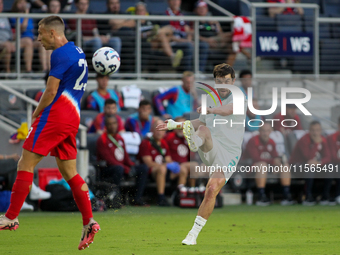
{"x": 20, "y": 190}
{"x": 214, "y": 185}
{"x": 81, "y": 195}
{"x": 199, "y": 138}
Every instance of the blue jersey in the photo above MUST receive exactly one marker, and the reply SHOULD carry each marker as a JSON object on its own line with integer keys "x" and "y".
{"x": 68, "y": 64}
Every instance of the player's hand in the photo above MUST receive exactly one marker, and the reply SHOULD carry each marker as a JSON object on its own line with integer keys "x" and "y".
{"x": 209, "y": 110}
{"x": 163, "y": 126}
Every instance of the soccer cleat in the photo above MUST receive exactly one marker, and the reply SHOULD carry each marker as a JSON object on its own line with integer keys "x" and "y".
{"x": 189, "y": 132}
{"x": 189, "y": 240}
{"x": 87, "y": 234}
{"x": 264, "y": 201}
{"x": 7, "y": 224}
{"x": 286, "y": 202}
{"x": 309, "y": 202}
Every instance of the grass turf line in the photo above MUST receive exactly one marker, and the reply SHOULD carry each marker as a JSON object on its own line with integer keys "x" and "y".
{"x": 230, "y": 230}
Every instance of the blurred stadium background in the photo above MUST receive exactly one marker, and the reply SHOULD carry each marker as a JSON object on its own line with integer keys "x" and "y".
{"x": 312, "y": 62}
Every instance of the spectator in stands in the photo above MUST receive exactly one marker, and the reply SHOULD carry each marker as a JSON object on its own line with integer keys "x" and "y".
{"x": 180, "y": 98}
{"x": 116, "y": 25}
{"x": 91, "y": 38}
{"x": 180, "y": 153}
{"x": 255, "y": 120}
{"x": 273, "y": 11}
{"x": 105, "y": 28}
{"x": 261, "y": 149}
{"x": 241, "y": 39}
{"x": 96, "y": 100}
{"x": 246, "y": 81}
{"x": 311, "y": 149}
{"x": 183, "y": 38}
{"x": 43, "y": 5}
{"x": 141, "y": 121}
{"x": 333, "y": 141}
{"x": 53, "y": 8}
{"x": 286, "y": 126}
{"x": 155, "y": 153}
{"x": 211, "y": 31}
{"x": 111, "y": 149}
{"x": 110, "y": 109}
{"x": 27, "y": 40}
{"x": 159, "y": 38}
{"x": 6, "y": 44}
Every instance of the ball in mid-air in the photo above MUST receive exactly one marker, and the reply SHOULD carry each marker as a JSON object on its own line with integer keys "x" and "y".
{"x": 106, "y": 61}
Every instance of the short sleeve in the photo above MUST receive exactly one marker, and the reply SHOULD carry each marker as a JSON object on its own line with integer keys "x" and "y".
{"x": 59, "y": 64}
{"x": 144, "y": 149}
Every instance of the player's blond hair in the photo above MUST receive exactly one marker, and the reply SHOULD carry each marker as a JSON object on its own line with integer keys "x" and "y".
{"x": 54, "y": 22}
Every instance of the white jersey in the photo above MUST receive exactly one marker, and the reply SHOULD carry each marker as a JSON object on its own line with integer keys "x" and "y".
{"x": 229, "y": 135}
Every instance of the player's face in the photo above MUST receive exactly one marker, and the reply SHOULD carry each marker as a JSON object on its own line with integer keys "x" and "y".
{"x": 111, "y": 125}
{"x": 223, "y": 92}
{"x": 110, "y": 109}
{"x": 46, "y": 38}
{"x": 113, "y": 6}
{"x": 265, "y": 131}
{"x": 246, "y": 80}
{"x": 103, "y": 82}
{"x": 315, "y": 132}
{"x": 175, "y": 4}
{"x": 188, "y": 83}
{"x": 144, "y": 112}
{"x": 54, "y": 7}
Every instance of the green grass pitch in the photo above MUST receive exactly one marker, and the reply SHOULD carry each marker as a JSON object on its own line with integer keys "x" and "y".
{"x": 230, "y": 230}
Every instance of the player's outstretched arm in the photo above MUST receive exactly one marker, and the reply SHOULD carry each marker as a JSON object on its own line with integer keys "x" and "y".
{"x": 48, "y": 95}
{"x": 224, "y": 110}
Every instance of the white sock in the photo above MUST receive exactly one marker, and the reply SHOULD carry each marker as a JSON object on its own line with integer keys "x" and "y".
{"x": 198, "y": 225}
{"x": 197, "y": 140}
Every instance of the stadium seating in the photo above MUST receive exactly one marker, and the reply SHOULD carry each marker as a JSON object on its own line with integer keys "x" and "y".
{"x": 328, "y": 49}
{"x": 289, "y": 23}
{"x": 9, "y": 102}
{"x": 87, "y": 117}
{"x": 331, "y": 8}
{"x": 156, "y": 7}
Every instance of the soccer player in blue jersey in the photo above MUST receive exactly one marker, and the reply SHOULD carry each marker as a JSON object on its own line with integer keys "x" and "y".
{"x": 54, "y": 127}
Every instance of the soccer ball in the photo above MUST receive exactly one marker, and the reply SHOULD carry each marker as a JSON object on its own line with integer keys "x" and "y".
{"x": 106, "y": 61}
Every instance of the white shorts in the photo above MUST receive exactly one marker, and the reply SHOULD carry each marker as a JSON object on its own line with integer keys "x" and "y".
{"x": 219, "y": 157}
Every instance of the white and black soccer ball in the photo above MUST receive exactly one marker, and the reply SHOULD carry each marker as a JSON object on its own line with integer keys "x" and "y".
{"x": 106, "y": 61}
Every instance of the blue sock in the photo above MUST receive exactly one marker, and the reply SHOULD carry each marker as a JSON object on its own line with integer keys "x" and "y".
{"x": 286, "y": 191}
{"x": 261, "y": 192}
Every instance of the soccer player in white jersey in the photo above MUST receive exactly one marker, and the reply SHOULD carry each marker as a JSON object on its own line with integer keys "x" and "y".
{"x": 218, "y": 146}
